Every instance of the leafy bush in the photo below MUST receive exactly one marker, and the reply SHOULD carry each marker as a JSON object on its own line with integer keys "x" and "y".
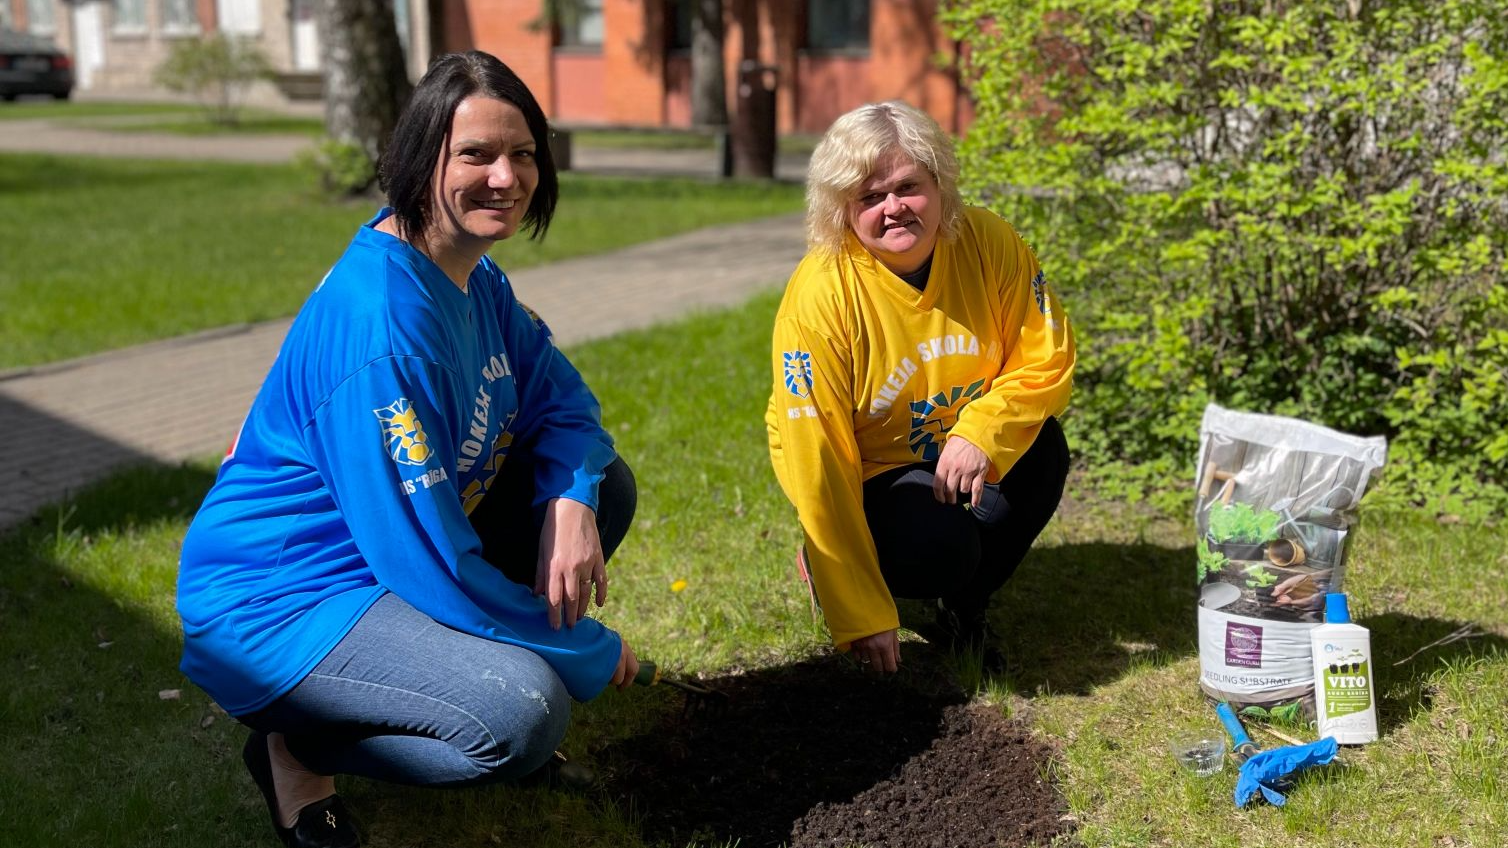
{"x": 1288, "y": 206}
{"x": 1238, "y": 522}
{"x": 341, "y": 168}
{"x": 217, "y": 70}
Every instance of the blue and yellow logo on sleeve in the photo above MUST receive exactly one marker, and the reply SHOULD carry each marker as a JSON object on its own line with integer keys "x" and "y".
{"x": 1039, "y": 291}
{"x": 403, "y": 434}
{"x": 538, "y": 321}
{"x": 798, "y": 373}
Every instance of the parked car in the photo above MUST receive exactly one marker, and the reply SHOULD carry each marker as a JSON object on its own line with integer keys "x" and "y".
{"x": 30, "y": 64}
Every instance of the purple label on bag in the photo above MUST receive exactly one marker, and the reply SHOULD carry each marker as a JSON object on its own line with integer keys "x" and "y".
{"x": 1243, "y": 645}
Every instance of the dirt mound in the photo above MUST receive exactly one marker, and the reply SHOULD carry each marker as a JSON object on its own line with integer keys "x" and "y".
{"x": 816, "y": 754}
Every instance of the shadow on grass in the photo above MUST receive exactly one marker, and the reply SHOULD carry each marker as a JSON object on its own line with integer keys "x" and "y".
{"x": 1408, "y": 653}
{"x": 88, "y": 638}
{"x": 1079, "y": 616}
{"x": 94, "y": 754}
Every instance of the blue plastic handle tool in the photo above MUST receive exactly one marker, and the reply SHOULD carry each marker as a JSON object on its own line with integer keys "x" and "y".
{"x": 1241, "y": 745}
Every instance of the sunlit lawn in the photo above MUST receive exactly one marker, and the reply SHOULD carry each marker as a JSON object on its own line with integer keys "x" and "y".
{"x": 107, "y": 745}
{"x": 71, "y": 110}
{"x": 190, "y": 119}
{"x": 103, "y": 253}
{"x": 676, "y": 140}
{"x": 1100, "y": 620}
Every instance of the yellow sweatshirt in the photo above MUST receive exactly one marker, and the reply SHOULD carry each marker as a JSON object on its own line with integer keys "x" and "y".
{"x": 871, "y": 374}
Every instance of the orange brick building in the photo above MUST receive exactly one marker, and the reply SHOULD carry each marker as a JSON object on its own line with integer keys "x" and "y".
{"x": 627, "y": 62}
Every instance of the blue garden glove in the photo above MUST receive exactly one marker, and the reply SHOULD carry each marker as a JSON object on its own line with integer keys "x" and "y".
{"x": 1267, "y": 770}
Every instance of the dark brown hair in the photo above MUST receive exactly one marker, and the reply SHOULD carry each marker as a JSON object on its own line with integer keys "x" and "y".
{"x": 407, "y": 170}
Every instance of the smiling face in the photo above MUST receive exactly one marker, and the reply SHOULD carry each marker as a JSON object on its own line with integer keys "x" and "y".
{"x": 896, "y": 213}
{"x": 485, "y": 177}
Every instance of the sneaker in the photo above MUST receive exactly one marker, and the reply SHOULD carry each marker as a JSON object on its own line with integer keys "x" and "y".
{"x": 964, "y": 630}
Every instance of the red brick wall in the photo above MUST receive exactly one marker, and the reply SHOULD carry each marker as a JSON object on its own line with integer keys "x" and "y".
{"x": 904, "y": 41}
{"x": 678, "y": 90}
{"x": 816, "y": 88}
{"x": 503, "y": 28}
{"x": 634, "y": 83}
{"x": 578, "y": 88}
{"x": 828, "y": 86}
{"x": 634, "y": 62}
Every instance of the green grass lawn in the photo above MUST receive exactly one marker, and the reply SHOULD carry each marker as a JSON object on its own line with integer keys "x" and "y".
{"x": 190, "y": 119}
{"x": 661, "y": 140}
{"x": 176, "y": 118}
{"x": 1100, "y": 619}
{"x": 70, "y": 110}
{"x": 249, "y": 122}
{"x": 104, "y": 253}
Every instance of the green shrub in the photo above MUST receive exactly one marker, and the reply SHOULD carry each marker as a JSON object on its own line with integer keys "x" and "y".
{"x": 217, "y": 70}
{"x": 1286, "y": 206}
{"x": 340, "y": 168}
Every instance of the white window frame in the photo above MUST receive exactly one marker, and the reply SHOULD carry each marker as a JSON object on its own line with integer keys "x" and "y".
{"x": 842, "y": 37}
{"x": 119, "y": 25}
{"x": 34, "y": 22}
{"x": 239, "y": 17}
{"x": 188, "y": 26}
{"x": 590, "y": 25}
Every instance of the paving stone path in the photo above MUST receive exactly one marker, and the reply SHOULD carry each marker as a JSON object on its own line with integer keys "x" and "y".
{"x": 72, "y": 423}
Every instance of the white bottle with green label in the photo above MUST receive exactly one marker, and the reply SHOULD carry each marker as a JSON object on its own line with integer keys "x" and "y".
{"x": 1343, "y": 693}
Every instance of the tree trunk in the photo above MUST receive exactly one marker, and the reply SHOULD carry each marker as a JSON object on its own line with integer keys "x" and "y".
{"x": 437, "y": 39}
{"x": 366, "y": 80}
{"x": 752, "y": 141}
{"x": 709, "y": 86}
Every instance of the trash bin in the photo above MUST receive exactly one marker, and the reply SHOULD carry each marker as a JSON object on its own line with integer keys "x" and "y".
{"x": 560, "y": 147}
{"x": 754, "y": 121}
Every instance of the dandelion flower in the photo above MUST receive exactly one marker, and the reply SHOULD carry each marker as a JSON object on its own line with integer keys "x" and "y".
{"x": 678, "y": 585}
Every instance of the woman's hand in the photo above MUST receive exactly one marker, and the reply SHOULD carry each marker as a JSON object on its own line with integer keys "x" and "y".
{"x": 961, "y": 468}
{"x": 570, "y": 561}
{"x": 880, "y": 653}
{"x": 628, "y": 667}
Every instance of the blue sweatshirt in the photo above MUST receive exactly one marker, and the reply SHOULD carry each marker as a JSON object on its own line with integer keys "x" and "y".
{"x": 390, "y": 409}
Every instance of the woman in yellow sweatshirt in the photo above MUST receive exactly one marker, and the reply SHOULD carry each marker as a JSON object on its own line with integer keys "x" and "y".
{"x": 919, "y": 361}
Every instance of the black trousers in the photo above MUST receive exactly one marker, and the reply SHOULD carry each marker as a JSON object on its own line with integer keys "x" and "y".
{"x": 509, "y": 523}
{"x": 929, "y": 549}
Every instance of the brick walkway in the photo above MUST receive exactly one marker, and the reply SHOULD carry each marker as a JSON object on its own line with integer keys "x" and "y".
{"x": 96, "y": 139}
{"x": 72, "y": 423}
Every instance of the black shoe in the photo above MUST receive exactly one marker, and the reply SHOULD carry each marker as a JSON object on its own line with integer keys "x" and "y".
{"x": 323, "y": 824}
{"x": 970, "y": 631}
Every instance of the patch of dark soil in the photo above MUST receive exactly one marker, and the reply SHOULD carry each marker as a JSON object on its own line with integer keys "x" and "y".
{"x": 817, "y": 754}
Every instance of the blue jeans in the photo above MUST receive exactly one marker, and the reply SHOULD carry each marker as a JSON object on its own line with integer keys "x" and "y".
{"x": 405, "y": 699}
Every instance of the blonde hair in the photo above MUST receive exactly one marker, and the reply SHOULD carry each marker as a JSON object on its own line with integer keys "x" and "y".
{"x": 855, "y": 146}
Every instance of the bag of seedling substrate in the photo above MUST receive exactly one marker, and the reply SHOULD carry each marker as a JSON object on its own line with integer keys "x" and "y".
{"x": 1276, "y": 500}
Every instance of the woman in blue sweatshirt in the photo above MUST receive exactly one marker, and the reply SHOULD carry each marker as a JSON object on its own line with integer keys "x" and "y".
{"x": 390, "y": 574}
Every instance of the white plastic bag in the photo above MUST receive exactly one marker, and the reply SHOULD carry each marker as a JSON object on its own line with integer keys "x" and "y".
{"x": 1276, "y": 499}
